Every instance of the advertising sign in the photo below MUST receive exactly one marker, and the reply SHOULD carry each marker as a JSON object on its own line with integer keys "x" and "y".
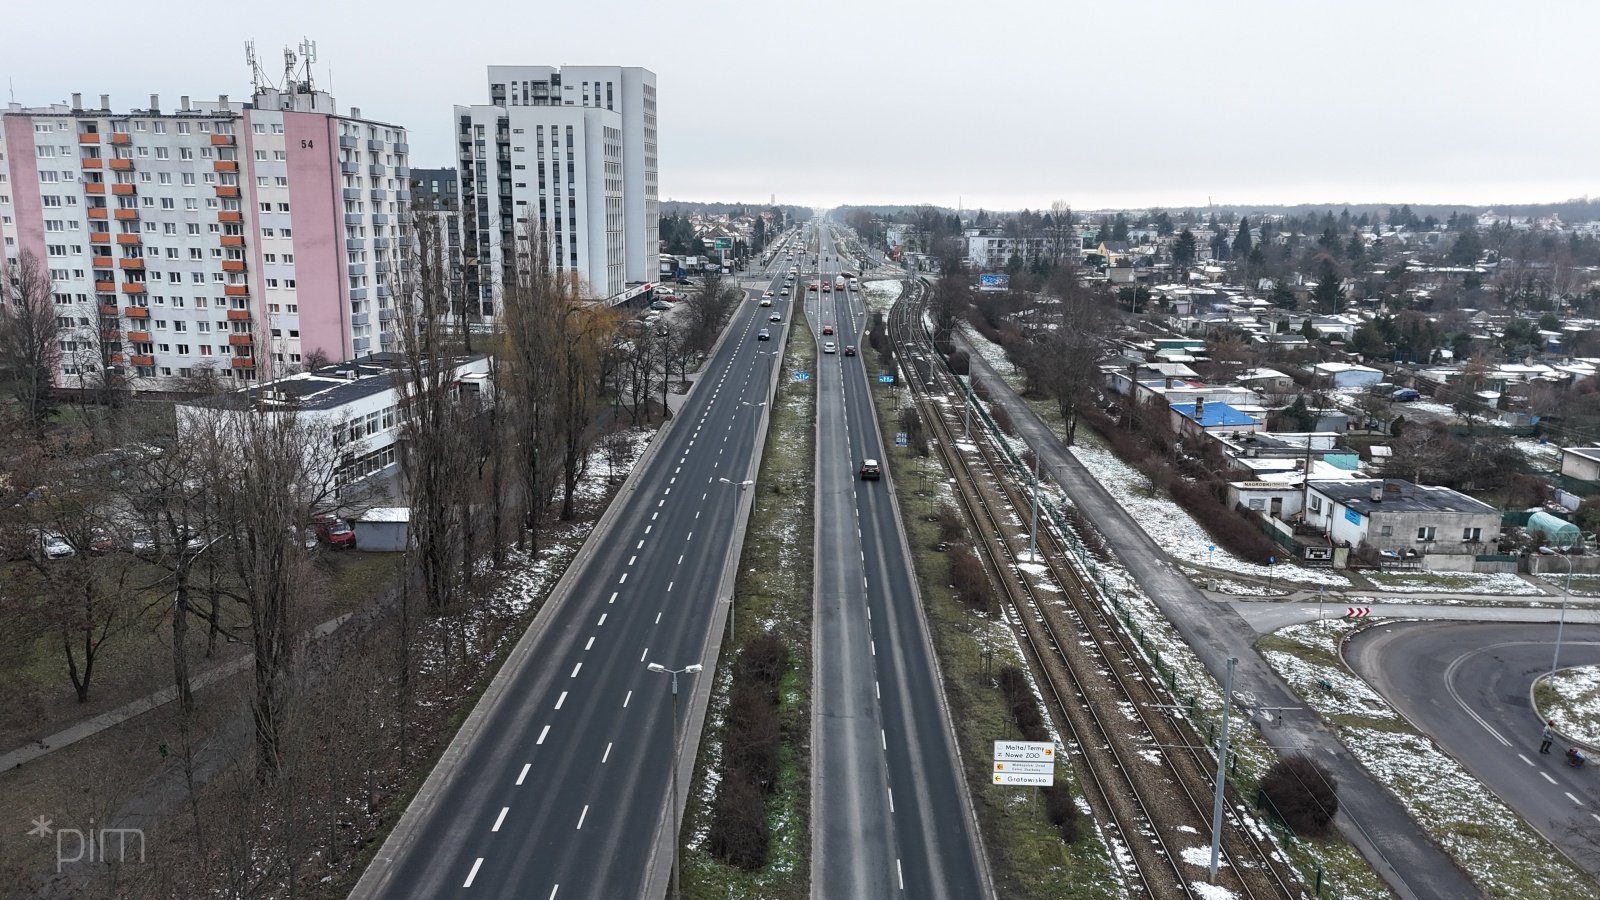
{"x": 994, "y": 282}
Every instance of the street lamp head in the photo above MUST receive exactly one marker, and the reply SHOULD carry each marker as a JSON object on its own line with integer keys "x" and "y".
{"x": 656, "y": 667}
{"x": 692, "y": 669}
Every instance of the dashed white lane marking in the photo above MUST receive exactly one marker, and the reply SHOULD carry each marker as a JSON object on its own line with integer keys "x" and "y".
{"x": 563, "y": 698}
{"x": 653, "y": 516}
{"x": 1547, "y": 777}
{"x": 500, "y": 818}
{"x": 874, "y": 646}
{"x": 705, "y": 495}
{"x": 542, "y": 734}
{"x": 606, "y": 755}
{"x": 602, "y": 620}
{"x": 875, "y": 692}
{"x": 613, "y": 597}
{"x": 669, "y": 586}
{"x": 581, "y": 816}
{"x": 658, "y": 618}
{"x": 1524, "y": 759}
{"x": 623, "y": 579}
{"x": 647, "y": 528}
{"x": 891, "y": 799}
{"x": 474, "y": 873}
{"x": 673, "y": 480}
{"x": 644, "y": 654}
{"x": 589, "y": 645}
{"x": 640, "y": 546}
{"x": 557, "y": 887}
{"x": 883, "y": 738}
{"x": 690, "y": 537}
{"x": 661, "y": 504}
{"x": 697, "y": 514}
{"x": 897, "y": 870}
{"x": 1594, "y": 817}
{"x": 680, "y": 560}
{"x": 1575, "y": 800}
{"x": 575, "y": 670}
{"x": 524, "y": 773}
{"x": 626, "y": 699}
{"x": 677, "y": 470}
{"x": 667, "y": 491}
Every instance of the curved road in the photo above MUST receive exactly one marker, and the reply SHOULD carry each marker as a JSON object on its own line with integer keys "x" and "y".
{"x": 1467, "y": 686}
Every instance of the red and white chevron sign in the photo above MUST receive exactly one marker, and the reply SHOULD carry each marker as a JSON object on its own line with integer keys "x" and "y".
{"x": 1357, "y": 612}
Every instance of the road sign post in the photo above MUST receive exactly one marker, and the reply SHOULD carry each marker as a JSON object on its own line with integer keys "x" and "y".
{"x": 1024, "y": 763}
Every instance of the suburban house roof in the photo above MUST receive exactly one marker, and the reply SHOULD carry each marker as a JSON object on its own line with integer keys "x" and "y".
{"x": 1590, "y": 453}
{"x": 1216, "y": 414}
{"x": 1399, "y": 496}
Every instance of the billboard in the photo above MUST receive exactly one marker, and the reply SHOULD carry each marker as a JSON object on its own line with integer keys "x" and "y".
{"x": 994, "y": 282}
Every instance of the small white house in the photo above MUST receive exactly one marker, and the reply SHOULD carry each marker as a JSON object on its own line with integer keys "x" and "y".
{"x": 1347, "y": 375}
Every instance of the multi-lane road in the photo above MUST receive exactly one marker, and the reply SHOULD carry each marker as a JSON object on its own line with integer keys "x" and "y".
{"x": 557, "y": 785}
{"x": 890, "y": 809}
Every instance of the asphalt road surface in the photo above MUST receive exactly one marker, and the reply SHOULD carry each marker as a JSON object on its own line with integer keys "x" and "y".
{"x": 1467, "y": 685}
{"x": 891, "y": 813}
{"x": 562, "y": 789}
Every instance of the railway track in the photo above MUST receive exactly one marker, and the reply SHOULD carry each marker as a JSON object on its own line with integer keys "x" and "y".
{"x": 1147, "y": 775}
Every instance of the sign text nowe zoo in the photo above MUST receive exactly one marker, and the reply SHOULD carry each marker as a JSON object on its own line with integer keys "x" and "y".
{"x": 1025, "y": 763}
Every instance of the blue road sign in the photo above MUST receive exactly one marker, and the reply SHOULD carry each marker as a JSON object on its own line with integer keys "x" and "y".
{"x": 801, "y": 376}
{"x": 900, "y": 439}
{"x": 886, "y": 379}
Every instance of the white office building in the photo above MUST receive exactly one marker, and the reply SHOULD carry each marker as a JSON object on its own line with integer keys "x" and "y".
{"x": 569, "y": 154}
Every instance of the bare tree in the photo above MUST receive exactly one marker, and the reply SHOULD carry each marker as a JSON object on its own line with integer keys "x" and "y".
{"x": 30, "y": 346}
{"x": 537, "y": 298}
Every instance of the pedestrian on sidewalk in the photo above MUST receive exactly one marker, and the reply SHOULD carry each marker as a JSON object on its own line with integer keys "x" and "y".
{"x": 1549, "y": 735}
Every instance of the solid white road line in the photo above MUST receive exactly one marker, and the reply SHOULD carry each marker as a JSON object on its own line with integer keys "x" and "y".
{"x": 500, "y": 818}
{"x": 474, "y": 873}
{"x": 542, "y": 734}
{"x": 581, "y": 816}
{"x": 606, "y": 755}
{"x": 561, "y": 699}
{"x": 524, "y": 773}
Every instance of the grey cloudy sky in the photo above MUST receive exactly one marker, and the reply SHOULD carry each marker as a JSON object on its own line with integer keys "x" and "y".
{"x": 996, "y": 103}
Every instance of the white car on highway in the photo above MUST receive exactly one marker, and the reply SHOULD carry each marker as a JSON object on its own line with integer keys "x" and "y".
{"x": 828, "y": 347}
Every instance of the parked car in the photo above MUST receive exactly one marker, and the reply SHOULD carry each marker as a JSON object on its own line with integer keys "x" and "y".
{"x": 683, "y": 281}
{"x": 660, "y": 304}
{"x": 763, "y": 335}
{"x": 850, "y": 350}
{"x": 870, "y": 470}
{"x": 334, "y": 532}
{"x": 1405, "y": 395}
{"x": 53, "y": 546}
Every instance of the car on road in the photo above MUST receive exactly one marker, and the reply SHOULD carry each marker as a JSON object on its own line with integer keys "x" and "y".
{"x": 775, "y": 317}
{"x": 828, "y": 347}
{"x": 767, "y": 294}
{"x": 850, "y": 350}
{"x": 335, "y": 532}
{"x": 683, "y": 281}
{"x": 827, "y": 329}
{"x": 766, "y": 301}
{"x": 763, "y": 335}
{"x": 870, "y": 470}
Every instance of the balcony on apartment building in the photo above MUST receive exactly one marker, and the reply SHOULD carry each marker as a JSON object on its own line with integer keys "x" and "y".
{"x": 139, "y": 337}
{"x": 221, "y": 140}
{"x": 233, "y": 265}
{"x": 128, "y": 238}
{"x": 120, "y": 164}
{"x": 238, "y": 315}
{"x": 236, "y": 290}
{"x": 225, "y": 165}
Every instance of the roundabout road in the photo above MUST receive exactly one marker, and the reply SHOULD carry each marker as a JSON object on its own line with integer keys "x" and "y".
{"x": 1467, "y": 685}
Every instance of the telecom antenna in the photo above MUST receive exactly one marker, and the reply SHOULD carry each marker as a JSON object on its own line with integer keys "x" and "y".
{"x": 308, "y": 53}
{"x": 258, "y": 76}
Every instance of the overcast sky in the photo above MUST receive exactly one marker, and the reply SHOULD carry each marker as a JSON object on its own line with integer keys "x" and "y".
{"x": 1000, "y": 104}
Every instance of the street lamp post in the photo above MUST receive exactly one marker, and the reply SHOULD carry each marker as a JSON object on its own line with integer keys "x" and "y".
{"x": 741, "y": 485}
{"x": 1561, "y": 622}
{"x": 672, "y": 812}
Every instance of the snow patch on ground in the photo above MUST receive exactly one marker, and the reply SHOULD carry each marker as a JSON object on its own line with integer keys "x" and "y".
{"x": 880, "y": 295}
{"x": 1171, "y": 527}
{"x": 1500, "y": 583}
{"x": 1576, "y": 710}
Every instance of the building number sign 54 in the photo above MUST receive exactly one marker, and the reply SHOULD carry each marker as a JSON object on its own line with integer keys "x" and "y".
{"x": 307, "y": 144}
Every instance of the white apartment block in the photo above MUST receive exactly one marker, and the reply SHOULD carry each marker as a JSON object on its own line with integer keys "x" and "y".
{"x": 246, "y": 237}
{"x": 570, "y": 155}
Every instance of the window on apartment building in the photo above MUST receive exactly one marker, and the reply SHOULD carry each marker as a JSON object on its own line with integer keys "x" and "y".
{"x": 284, "y": 233}
{"x": 188, "y": 179}
{"x": 1425, "y": 533}
{"x": 1472, "y": 535}
{"x": 261, "y": 181}
{"x": 258, "y": 128}
{"x": 280, "y": 155}
{"x": 186, "y": 153}
{"x": 47, "y": 176}
{"x": 159, "y": 128}
{"x": 142, "y": 152}
{"x": 183, "y": 128}
{"x": 277, "y": 129}
{"x": 183, "y": 349}
{"x": 280, "y": 180}
{"x": 283, "y": 207}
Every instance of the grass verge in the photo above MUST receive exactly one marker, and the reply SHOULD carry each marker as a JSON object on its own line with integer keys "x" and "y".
{"x": 772, "y": 594}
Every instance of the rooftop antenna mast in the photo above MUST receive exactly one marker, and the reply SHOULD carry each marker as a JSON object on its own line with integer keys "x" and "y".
{"x": 258, "y": 76}
{"x": 308, "y": 54}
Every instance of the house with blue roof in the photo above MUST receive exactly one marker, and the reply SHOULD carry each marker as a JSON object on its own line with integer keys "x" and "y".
{"x": 1196, "y": 420}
